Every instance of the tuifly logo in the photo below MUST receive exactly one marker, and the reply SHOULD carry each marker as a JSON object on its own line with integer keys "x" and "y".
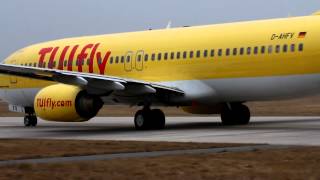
{"x": 48, "y": 103}
{"x": 89, "y": 52}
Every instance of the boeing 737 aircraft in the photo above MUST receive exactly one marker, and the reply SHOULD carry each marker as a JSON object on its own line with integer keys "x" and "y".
{"x": 210, "y": 69}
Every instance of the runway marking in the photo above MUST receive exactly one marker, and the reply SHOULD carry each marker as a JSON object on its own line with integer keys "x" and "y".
{"x": 143, "y": 154}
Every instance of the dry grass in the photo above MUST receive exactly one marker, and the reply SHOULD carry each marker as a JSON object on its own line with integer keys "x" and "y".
{"x": 24, "y": 149}
{"x": 299, "y": 107}
{"x": 299, "y": 163}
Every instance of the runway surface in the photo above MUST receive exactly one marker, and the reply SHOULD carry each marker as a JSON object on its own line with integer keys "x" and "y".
{"x": 102, "y": 157}
{"x": 270, "y": 130}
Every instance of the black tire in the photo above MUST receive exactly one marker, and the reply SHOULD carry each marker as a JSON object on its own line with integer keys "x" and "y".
{"x": 142, "y": 120}
{"x": 227, "y": 117}
{"x": 243, "y": 114}
{"x": 158, "y": 119}
{"x": 34, "y": 121}
{"x": 238, "y": 115}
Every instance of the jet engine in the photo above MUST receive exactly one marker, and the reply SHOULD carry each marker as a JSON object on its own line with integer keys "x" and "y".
{"x": 66, "y": 103}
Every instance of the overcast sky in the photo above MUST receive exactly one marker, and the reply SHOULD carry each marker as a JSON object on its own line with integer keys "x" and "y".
{"x": 24, "y": 22}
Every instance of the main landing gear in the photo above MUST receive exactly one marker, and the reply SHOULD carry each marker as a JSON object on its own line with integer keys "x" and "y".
{"x": 30, "y": 120}
{"x": 231, "y": 114}
{"x": 147, "y": 119}
{"x": 235, "y": 114}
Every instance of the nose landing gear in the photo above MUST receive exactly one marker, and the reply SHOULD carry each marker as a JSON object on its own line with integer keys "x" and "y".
{"x": 30, "y": 120}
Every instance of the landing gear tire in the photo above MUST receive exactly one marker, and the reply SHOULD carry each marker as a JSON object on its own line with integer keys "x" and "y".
{"x": 237, "y": 114}
{"x": 30, "y": 120}
{"x": 149, "y": 119}
{"x": 142, "y": 120}
{"x": 159, "y": 119}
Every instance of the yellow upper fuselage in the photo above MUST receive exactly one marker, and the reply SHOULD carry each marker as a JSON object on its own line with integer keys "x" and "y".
{"x": 278, "y": 47}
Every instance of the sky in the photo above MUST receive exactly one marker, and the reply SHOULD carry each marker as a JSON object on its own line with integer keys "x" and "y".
{"x": 25, "y": 22}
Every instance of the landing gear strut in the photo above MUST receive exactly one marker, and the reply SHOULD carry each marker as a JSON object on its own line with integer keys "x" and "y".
{"x": 147, "y": 119}
{"x": 235, "y": 114}
{"x": 30, "y": 120}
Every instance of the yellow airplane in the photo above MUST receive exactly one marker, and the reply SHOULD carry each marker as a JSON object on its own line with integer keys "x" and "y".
{"x": 210, "y": 69}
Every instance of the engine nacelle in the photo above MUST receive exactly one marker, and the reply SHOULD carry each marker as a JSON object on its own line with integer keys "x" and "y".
{"x": 66, "y": 103}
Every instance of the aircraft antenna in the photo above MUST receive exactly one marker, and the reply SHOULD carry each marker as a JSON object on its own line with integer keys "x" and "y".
{"x": 168, "y": 25}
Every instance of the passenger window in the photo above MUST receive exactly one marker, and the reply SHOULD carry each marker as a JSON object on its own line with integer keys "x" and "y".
{"x": 285, "y": 48}
{"x": 30, "y": 64}
{"x": 35, "y": 65}
{"x": 44, "y": 64}
{"x": 128, "y": 59}
{"x": 301, "y": 47}
{"x": 65, "y": 63}
{"x": 146, "y": 57}
{"x": 185, "y": 54}
{"x": 117, "y": 60}
{"x": 205, "y": 53}
{"x": 263, "y": 49}
{"x": 159, "y": 56}
{"x": 191, "y": 54}
{"x": 122, "y": 59}
{"x": 220, "y": 52}
{"x": 270, "y": 49}
{"x": 212, "y": 53}
{"x": 248, "y": 50}
{"x": 277, "y": 48}
{"x": 256, "y": 50}
{"x": 153, "y": 57}
{"x": 235, "y": 51}
{"x": 198, "y": 54}
{"x": 242, "y": 51}
{"x": 178, "y": 55}
{"x": 293, "y": 48}
{"x": 165, "y": 56}
{"x": 54, "y": 64}
{"x": 172, "y": 55}
{"x": 227, "y": 52}
{"x": 111, "y": 61}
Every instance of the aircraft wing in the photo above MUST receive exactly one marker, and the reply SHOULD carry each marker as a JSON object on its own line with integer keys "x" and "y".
{"x": 96, "y": 84}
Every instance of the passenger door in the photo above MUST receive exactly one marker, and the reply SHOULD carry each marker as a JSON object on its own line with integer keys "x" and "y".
{"x": 128, "y": 61}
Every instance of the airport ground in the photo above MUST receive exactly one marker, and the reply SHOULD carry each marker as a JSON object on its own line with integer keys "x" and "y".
{"x": 284, "y": 163}
{"x": 289, "y": 150}
{"x": 297, "y": 136}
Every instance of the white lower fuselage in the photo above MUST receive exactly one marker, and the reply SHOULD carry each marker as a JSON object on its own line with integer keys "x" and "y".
{"x": 210, "y": 92}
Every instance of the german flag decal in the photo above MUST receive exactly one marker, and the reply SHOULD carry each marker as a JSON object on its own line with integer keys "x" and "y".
{"x": 302, "y": 34}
